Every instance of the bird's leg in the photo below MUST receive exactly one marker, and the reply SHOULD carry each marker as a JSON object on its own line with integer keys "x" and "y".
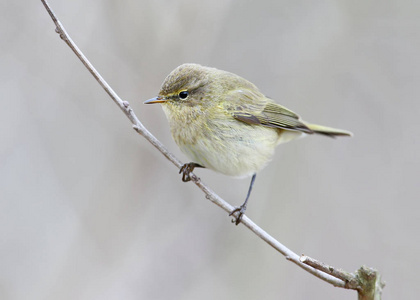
{"x": 186, "y": 169}
{"x": 241, "y": 209}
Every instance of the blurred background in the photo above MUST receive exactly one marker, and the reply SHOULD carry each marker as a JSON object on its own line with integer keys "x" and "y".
{"x": 90, "y": 210}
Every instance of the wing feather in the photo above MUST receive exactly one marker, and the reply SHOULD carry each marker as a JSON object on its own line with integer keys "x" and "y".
{"x": 253, "y": 108}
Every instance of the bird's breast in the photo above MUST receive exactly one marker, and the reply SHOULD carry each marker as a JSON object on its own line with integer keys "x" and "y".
{"x": 224, "y": 144}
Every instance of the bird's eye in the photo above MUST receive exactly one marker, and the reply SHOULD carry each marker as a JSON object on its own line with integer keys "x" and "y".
{"x": 183, "y": 95}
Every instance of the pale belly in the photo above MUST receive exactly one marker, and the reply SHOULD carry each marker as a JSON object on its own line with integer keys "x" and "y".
{"x": 240, "y": 152}
{"x": 225, "y": 145}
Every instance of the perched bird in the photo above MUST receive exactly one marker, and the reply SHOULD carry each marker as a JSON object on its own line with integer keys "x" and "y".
{"x": 223, "y": 122}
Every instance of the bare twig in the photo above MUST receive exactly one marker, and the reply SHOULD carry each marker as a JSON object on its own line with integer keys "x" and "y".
{"x": 348, "y": 278}
{"x": 366, "y": 281}
{"x": 320, "y": 272}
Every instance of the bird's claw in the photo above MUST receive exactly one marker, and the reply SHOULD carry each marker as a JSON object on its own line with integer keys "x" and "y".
{"x": 186, "y": 169}
{"x": 238, "y": 218}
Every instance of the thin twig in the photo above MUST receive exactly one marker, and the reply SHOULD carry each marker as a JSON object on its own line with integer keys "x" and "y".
{"x": 210, "y": 195}
{"x": 348, "y": 278}
{"x": 367, "y": 281}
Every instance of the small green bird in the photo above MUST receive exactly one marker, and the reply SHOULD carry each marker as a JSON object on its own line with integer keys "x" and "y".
{"x": 223, "y": 122}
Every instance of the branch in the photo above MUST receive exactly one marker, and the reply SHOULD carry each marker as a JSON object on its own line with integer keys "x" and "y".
{"x": 321, "y": 273}
{"x": 366, "y": 281}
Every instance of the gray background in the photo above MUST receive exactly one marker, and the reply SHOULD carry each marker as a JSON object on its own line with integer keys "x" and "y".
{"x": 89, "y": 210}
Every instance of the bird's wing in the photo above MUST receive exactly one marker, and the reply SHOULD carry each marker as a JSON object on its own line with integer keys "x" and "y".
{"x": 253, "y": 108}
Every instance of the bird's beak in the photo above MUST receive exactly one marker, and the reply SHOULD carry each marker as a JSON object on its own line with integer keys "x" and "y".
{"x": 157, "y": 99}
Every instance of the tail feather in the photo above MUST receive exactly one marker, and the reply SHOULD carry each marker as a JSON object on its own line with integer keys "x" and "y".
{"x": 328, "y": 131}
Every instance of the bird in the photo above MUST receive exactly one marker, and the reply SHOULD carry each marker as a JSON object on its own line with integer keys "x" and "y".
{"x": 223, "y": 122}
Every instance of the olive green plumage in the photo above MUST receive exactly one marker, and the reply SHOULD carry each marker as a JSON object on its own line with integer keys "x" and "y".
{"x": 223, "y": 122}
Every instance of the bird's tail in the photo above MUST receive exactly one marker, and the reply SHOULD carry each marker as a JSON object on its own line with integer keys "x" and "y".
{"x": 328, "y": 131}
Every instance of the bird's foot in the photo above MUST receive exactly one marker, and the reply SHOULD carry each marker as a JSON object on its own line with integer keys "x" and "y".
{"x": 186, "y": 169}
{"x": 241, "y": 211}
